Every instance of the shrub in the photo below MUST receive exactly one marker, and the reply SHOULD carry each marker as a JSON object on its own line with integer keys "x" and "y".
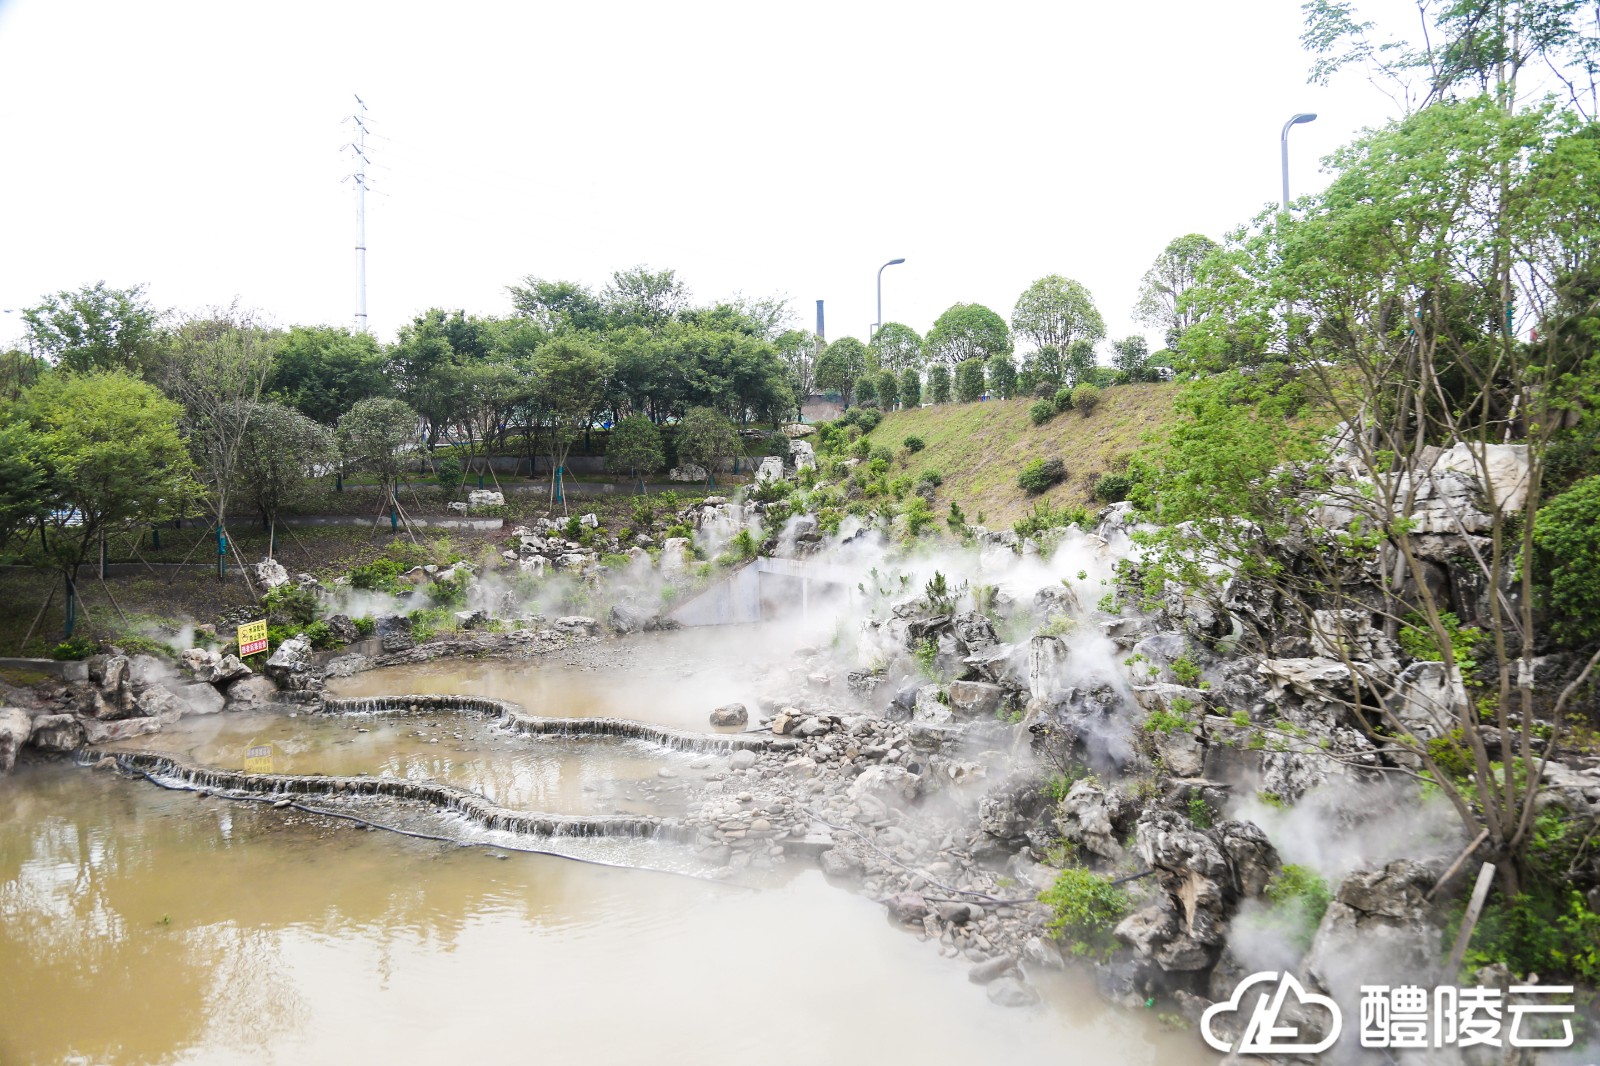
{"x": 930, "y": 477}
{"x": 366, "y": 625}
{"x": 914, "y": 444}
{"x": 969, "y": 381}
{"x": 1566, "y": 539}
{"x": 939, "y": 383}
{"x": 320, "y": 636}
{"x": 1041, "y": 474}
{"x": 867, "y": 389}
{"x": 447, "y": 474}
{"x": 288, "y": 605}
{"x": 1063, "y": 400}
{"x": 1087, "y": 908}
{"x": 73, "y": 649}
{"x": 1042, "y": 412}
{"x": 918, "y": 515}
{"x": 1301, "y": 896}
{"x": 910, "y": 387}
{"x": 378, "y": 575}
{"x": 1085, "y": 398}
{"x": 1113, "y": 488}
{"x": 1044, "y": 517}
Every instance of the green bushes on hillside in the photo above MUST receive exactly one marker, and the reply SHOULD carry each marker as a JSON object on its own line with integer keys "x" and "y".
{"x": 1040, "y": 474}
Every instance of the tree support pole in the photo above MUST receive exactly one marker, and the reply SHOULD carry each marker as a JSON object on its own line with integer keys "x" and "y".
{"x": 48, "y": 600}
{"x": 1480, "y": 893}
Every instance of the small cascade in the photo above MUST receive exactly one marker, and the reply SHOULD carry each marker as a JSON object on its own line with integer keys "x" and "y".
{"x": 511, "y": 718}
{"x": 167, "y": 768}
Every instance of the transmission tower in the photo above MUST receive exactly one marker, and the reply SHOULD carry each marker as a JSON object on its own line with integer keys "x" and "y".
{"x": 358, "y": 149}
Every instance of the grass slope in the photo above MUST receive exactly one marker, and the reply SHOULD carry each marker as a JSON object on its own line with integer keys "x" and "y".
{"x": 980, "y": 447}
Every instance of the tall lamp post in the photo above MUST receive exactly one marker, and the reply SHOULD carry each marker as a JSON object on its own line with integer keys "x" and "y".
{"x": 1283, "y": 143}
{"x": 876, "y": 326}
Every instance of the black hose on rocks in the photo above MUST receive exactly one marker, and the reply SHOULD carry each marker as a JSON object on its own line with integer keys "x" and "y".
{"x": 293, "y": 805}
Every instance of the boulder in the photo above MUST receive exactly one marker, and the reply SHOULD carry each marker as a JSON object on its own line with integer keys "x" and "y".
{"x": 589, "y": 521}
{"x": 471, "y": 619}
{"x": 742, "y": 760}
{"x": 990, "y": 969}
{"x": 1428, "y": 702}
{"x": 98, "y": 732}
{"x": 1016, "y": 810}
{"x": 269, "y": 574}
{"x": 578, "y": 623}
{"x": 907, "y": 908}
{"x": 57, "y": 733}
{"x": 15, "y": 728}
{"x": 674, "y": 555}
{"x": 225, "y": 671}
{"x": 975, "y": 699}
{"x": 1380, "y": 914}
{"x": 1047, "y": 666}
{"x": 533, "y": 565}
{"x": 251, "y": 693}
{"x": 1010, "y": 992}
{"x": 482, "y": 499}
{"x": 394, "y": 630}
{"x": 894, "y": 786}
{"x": 771, "y": 469}
{"x": 687, "y": 472}
{"x": 626, "y": 618}
{"x": 290, "y": 665}
{"x": 731, "y": 714}
{"x": 198, "y": 661}
{"x": 343, "y": 629}
{"x": 1095, "y": 819}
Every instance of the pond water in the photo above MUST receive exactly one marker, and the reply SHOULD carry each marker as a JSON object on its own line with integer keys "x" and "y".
{"x": 672, "y": 679}
{"x": 555, "y": 775}
{"x": 145, "y": 926}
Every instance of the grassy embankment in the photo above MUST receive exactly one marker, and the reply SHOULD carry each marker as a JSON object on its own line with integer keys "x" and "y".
{"x": 980, "y": 447}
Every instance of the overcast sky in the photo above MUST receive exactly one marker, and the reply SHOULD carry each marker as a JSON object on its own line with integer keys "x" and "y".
{"x": 764, "y": 149}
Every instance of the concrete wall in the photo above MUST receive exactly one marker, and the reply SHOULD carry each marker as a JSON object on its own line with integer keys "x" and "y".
{"x": 67, "y": 671}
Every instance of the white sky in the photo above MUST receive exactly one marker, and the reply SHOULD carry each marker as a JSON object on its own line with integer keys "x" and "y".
{"x": 760, "y": 148}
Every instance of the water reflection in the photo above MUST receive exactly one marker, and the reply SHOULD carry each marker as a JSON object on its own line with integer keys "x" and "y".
{"x": 143, "y": 926}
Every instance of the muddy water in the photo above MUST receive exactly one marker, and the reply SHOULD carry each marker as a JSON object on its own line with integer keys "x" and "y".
{"x": 671, "y": 679}
{"x": 550, "y": 774}
{"x": 144, "y": 926}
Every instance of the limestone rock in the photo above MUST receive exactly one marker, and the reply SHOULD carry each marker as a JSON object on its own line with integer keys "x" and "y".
{"x": 343, "y": 629}
{"x": 251, "y": 693}
{"x": 687, "y": 472}
{"x": 1377, "y": 914}
{"x": 290, "y": 665}
{"x": 975, "y": 699}
{"x": 1095, "y": 819}
{"x": 15, "y": 728}
{"x": 57, "y": 733}
{"x": 98, "y": 732}
{"x": 394, "y": 630}
{"x": 482, "y": 499}
{"x": 269, "y": 574}
{"x": 731, "y": 714}
{"x": 578, "y": 623}
{"x": 892, "y": 785}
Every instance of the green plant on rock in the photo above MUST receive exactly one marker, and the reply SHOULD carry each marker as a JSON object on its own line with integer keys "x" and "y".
{"x": 1087, "y": 908}
{"x": 73, "y": 649}
{"x": 1200, "y": 812}
{"x": 1301, "y": 896}
{"x": 926, "y": 654}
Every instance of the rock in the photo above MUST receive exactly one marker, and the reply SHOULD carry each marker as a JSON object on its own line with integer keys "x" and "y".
{"x": 571, "y": 561}
{"x": 533, "y": 565}
{"x": 956, "y": 914}
{"x": 838, "y": 862}
{"x": 198, "y": 661}
{"x": 1251, "y": 854}
{"x": 975, "y": 699}
{"x": 172, "y": 701}
{"x": 1377, "y": 914}
{"x": 1047, "y": 666}
{"x": 1181, "y": 752}
{"x": 225, "y": 671}
{"x": 15, "y": 729}
{"x": 578, "y": 623}
{"x": 894, "y": 786}
{"x": 731, "y": 714}
{"x": 589, "y": 521}
{"x": 98, "y": 732}
{"x": 343, "y": 629}
{"x": 687, "y": 472}
{"x": 1428, "y": 703}
{"x": 1095, "y": 819}
{"x": 813, "y": 727}
{"x": 394, "y": 631}
{"x": 1010, "y": 992}
{"x": 991, "y": 969}
{"x": 482, "y": 499}
{"x": 57, "y": 733}
{"x": 109, "y": 672}
{"x": 471, "y": 619}
{"x": 1016, "y": 808}
{"x": 771, "y": 469}
{"x": 742, "y": 760}
{"x": 290, "y": 665}
{"x": 251, "y": 693}
{"x": 907, "y": 908}
{"x": 269, "y": 574}
{"x": 674, "y": 555}
{"x": 1000, "y": 664}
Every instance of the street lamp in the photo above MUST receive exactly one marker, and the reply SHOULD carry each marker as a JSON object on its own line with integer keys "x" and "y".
{"x": 1283, "y": 142}
{"x": 876, "y": 326}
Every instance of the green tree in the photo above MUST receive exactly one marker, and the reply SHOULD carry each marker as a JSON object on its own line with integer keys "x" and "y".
{"x": 910, "y": 388}
{"x": 24, "y": 480}
{"x": 797, "y": 349}
{"x": 572, "y": 378}
{"x": 635, "y": 447}
{"x": 969, "y": 381}
{"x": 1161, "y": 303}
{"x": 967, "y": 331}
{"x": 281, "y": 452}
{"x": 1131, "y": 357}
{"x": 112, "y": 455}
{"x": 706, "y": 439}
{"x": 1042, "y": 373}
{"x": 887, "y": 386}
{"x": 96, "y": 328}
{"x": 644, "y": 297}
{"x": 840, "y": 366}
{"x": 323, "y": 370}
{"x": 558, "y": 306}
{"x": 1002, "y": 377}
{"x": 896, "y": 346}
{"x": 867, "y": 389}
{"x": 1056, "y": 311}
{"x": 938, "y": 383}
{"x": 380, "y": 432}
{"x": 1078, "y": 364}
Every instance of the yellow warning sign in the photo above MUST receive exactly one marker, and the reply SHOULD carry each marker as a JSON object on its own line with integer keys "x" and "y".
{"x": 252, "y": 637}
{"x": 258, "y": 758}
